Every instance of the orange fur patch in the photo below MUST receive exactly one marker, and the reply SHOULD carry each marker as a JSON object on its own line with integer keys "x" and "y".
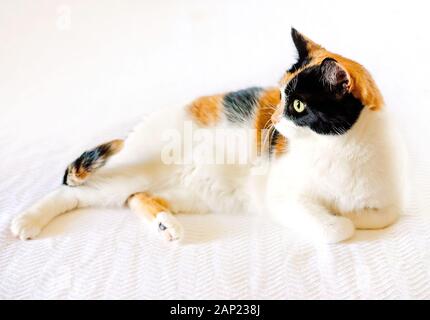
{"x": 267, "y": 105}
{"x": 206, "y": 111}
{"x": 280, "y": 145}
{"x": 362, "y": 86}
{"x": 148, "y": 204}
{"x": 115, "y": 146}
{"x": 81, "y": 173}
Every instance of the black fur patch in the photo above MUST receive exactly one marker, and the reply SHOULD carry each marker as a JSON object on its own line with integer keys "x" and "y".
{"x": 97, "y": 155}
{"x": 239, "y": 105}
{"x": 328, "y": 110}
{"x": 301, "y": 46}
{"x": 66, "y": 173}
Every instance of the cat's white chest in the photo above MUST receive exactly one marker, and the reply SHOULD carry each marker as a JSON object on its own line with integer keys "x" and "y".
{"x": 326, "y": 172}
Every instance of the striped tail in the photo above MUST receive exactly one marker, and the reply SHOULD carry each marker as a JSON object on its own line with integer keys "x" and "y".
{"x": 80, "y": 169}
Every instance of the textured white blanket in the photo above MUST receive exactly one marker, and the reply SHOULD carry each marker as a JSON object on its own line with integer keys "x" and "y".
{"x": 107, "y": 254}
{"x": 76, "y": 75}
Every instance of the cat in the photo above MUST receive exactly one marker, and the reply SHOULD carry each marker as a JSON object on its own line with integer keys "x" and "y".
{"x": 322, "y": 161}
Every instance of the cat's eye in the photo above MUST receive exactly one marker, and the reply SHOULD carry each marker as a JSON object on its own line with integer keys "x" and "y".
{"x": 299, "y": 106}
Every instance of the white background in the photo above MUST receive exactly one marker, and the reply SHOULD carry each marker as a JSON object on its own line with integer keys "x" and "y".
{"x": 77, "y": 73}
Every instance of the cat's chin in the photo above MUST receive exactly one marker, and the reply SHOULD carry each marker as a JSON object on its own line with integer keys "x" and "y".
{"x": 289, "y": 130}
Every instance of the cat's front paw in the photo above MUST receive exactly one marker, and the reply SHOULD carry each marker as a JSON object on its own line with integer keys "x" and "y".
{"x": 26, "y": 226}
{"x": 337, "y": 229}
{"x": 168, "y": 226}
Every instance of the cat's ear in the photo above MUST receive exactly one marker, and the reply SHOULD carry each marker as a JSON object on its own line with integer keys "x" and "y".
{"x": 304, "y": 45}
{"x": 335, "y": 76}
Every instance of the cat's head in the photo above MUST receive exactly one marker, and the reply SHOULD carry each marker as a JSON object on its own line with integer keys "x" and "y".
{"x": 323, "y": 92}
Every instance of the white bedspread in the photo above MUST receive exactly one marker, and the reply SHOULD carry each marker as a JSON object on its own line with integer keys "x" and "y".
{"x": 66, "y": 87}
{"x": 106, "y": 254}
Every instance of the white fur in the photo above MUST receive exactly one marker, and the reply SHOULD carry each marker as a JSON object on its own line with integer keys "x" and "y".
{"x": 328, "y": 183}
{"x": 321, "y": 188}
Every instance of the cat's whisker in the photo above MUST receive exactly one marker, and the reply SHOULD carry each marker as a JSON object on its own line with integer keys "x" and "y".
{"x": 268, "y": 137}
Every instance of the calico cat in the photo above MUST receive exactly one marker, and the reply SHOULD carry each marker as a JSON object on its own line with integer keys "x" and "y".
{"x": 330, "y": 156}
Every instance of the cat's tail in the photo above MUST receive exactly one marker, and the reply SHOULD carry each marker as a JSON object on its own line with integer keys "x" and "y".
{"x": 80, "y": 169}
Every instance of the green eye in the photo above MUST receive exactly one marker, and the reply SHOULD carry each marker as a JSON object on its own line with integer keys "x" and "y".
{"x": 299, "y": 106}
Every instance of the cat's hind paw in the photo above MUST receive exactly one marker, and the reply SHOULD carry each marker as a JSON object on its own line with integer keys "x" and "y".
{"x": 168, "y": 226}
{"x": 26, "y": 227}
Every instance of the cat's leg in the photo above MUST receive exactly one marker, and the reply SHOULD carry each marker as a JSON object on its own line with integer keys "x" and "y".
{"x": 156, "y": 211}
{"x": 312, "y": 219}
{"x": 103, "y": 192}
{"x": 30, "y": 223}
{"x": 373, "y": 218}
{"x": 91, "y": 160}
